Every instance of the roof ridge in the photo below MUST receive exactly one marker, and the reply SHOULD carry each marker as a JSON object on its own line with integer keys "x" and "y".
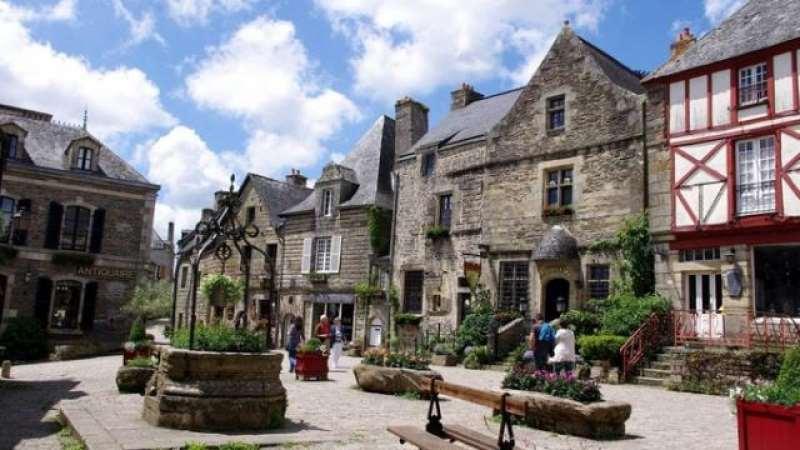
{"x": 276, "y": 180}
{"x": 507, "y": 91}
{"x": 610, "y": 57}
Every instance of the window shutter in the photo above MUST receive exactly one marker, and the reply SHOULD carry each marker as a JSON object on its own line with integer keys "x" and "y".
{"x": 336, "y": 252}
{"x": 89, "y": 301}
{"x": 54, "y": 215}
{"x": 305, "y": 263}
{"x": 41, "y": 309}
{"x": 98, "y": 224}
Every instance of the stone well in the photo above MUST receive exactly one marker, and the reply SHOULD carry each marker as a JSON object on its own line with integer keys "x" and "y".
{"x": 216, "y": 391}
{"x": 391, "y": 380}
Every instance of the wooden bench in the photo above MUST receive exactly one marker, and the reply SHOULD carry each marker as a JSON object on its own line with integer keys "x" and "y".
{"x": 439, "y": 436}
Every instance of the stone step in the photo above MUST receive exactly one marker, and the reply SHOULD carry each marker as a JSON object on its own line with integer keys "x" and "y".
{"x": 497, "y": 367}
{"x": 666, "y": 357}
{"x": 656, "y": 373}
{"x": 660, "y": 365}
{"x": 674, "y": 349}
{"x": 648, "y": 381}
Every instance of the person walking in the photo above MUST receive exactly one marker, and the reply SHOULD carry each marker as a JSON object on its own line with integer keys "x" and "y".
{"x": 323, "y": 331}
{"x": 294, "y": 340}
{"x": 337, "y": 342}
{"x": 564, "y": 353}
{"x": 544, "y": 342}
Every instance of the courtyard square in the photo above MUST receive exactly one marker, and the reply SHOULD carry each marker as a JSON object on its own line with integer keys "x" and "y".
{"x": 328, "y": 415}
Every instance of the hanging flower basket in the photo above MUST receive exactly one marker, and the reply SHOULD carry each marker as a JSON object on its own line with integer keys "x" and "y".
{"x": 221, "y": 289}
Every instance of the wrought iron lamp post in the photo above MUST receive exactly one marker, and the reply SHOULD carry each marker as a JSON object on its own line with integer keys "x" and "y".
{"x": 220, "y": 232}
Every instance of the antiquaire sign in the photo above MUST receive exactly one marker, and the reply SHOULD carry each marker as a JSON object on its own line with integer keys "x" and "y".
{"x": 108, "y": 273}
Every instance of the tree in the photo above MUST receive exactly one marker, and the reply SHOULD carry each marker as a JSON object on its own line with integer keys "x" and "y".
{"x": 150, "y": 300}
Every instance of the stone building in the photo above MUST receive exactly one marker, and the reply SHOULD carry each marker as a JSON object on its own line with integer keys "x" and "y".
{"x": 725, "y": 171}
{"x": 162, "y": 256}
{"x": 262, "y": 198}
{"x": 76, "y": 231}
{"x": 514, "y": 186}
{"x": 328, "y": 249}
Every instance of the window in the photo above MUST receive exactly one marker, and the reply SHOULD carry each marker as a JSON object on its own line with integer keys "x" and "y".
{"x": 514, "y": 285}
{"x": 76, "y": 228}
{"x": 699, "y": 254}
{"x": 428, "y": 164}
{"x": 559, "y": 188}
{"x": 555, "y": 113}
{"x": 436, "y": 303}
{"x": 327, "y": 202}
{"x": 322, "y": 254}
{"x": 704, "y": 292}
{"x": 11, "y": 146}
{"x": 66, "y": 306}
{"x": 412, "y": 291}
{"x": 598, "y": 277}
{"x": 85, "y": 156}
{"x": 22, "y": 222}
{"x": 184, "y": 276}
{"x": 7, "y": 211}
{"x": 752, "y": 84}
{"x": 251, "y": 214}
{"x": 755, "y": 164}
{"x": 445, "y": 210}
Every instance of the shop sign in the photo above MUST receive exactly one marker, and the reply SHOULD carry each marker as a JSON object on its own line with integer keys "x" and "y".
{"x": 107, "y": 273}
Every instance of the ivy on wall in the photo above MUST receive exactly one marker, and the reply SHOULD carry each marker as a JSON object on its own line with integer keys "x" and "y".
{"x": 379, "y": 225}
{"x": 636, "y": 258}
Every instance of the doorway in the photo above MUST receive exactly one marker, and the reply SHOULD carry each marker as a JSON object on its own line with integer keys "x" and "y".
{"x": 777, "y": 270}
{"x": 704, "y": 297}
{"x": 556, "y": 298}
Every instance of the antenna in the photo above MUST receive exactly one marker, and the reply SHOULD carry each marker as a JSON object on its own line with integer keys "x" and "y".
{"x": 85, "y": 116}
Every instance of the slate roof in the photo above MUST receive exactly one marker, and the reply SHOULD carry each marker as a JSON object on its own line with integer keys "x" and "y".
{"x": 556, "y": 244}
{"x": 47, "y": 141}
{"x": 617, "y": 72}
{"x": 277, "y": 195}
{"x": 371, "y": 160}
{"x": 471, "y": 121}
{"x": 156, "y": 242}
{"x": 757, "y": 25}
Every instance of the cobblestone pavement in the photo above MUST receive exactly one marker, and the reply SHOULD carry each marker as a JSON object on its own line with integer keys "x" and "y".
{"x": 358, "y": 420}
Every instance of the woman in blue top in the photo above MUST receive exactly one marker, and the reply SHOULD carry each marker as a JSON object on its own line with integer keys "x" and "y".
{"x": 294, "y": 340}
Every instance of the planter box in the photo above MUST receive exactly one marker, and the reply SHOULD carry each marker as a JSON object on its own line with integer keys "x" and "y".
{"x": 311, "y": 366}
{"x": 764, "y": 426}
{"x": 444, "y": 360}
{"x": 216, "y": 391}
{"x": 599, "y": 420}
{"x": 391, "y": 380}
{"x": 132, "y": 380}
{"x": 144, "y": 352}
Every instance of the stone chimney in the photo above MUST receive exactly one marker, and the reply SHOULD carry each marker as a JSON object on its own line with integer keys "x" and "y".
{"x": 463, "y": 96}
{"x": 295, "y": 178}
{"x": 218, "y": 196}
{"x": 207, "y": 214}
{"x": 682, "y": 43}
{"x": 171, "y": 233}
{"x": 411, "y": 123}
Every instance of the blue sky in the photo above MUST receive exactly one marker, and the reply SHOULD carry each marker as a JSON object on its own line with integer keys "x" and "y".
{"x": 189, "y": 91}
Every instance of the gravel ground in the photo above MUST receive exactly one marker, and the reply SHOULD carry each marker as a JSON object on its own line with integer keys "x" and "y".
{"x": 661, "y": 419}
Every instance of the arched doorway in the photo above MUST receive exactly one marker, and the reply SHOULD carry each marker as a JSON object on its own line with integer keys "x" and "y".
{"x": 556, "y": 298}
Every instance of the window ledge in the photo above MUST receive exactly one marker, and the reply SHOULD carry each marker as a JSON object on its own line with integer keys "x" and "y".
{"x": 555, "y": 131}
{"x": 558, "y": 211}
{"x": 751, "y": 104}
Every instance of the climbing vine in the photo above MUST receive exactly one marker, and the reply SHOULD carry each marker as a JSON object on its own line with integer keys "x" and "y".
{"x": 636, "y": 258}
{"x": 379, "y": 225}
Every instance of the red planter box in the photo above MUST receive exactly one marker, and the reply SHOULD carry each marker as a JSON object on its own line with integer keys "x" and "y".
{"x": 311, "y": 366}
{"x": 768, "y": 427}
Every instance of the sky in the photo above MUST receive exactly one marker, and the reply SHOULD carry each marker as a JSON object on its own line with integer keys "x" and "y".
{"x": 191, "y": 91}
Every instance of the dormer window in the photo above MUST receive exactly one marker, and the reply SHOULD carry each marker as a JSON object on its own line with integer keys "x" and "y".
{"x": 327, "y": 202}
{"x": 85, "y": 158}
{"x": 752, "y": 84}
{"x": 11, "y": 146}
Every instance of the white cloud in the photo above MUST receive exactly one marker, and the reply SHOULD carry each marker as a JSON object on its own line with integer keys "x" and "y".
{"x": 191, "y": 12}
{"x": 337, "y": 157}
{"x": 189, "y": 173}
{"x": 142, "y": 28}
{"x": 262, "y": 75}
{"x": 120, "y": 100}
{"x": 719, "y": 10}
{"x": 402, "y": 51}
{"x": 61, "y": 11}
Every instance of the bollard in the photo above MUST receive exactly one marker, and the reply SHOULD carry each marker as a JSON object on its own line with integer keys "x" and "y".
{"x": 6, "y": 373}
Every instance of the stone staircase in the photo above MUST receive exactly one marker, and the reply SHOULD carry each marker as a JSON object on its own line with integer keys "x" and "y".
{"x": 658, "y": 371}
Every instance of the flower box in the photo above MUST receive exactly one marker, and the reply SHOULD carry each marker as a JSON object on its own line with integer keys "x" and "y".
{"x": 764, "y": 426}
{"x": 130, "y": 352}
{"x": 311, "y": 365}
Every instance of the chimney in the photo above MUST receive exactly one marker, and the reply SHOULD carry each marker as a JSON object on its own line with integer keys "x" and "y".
{"x": 411, "y": 123}
{"x": 218, "y": 196}
{"x": 171, "y": 233}
{"x": 295, "y": 178}
{"x": 682, "y": 43}
{"x": 463, "y": 96}
{"x": 185, "y": 233}
{"x": 207, "y": 214}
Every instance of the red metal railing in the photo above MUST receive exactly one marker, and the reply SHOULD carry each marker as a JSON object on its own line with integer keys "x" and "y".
{"x": 648, "y": 338}
{"x": 735, "y": 329}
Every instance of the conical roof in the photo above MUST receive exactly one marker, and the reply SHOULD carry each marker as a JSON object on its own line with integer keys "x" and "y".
{"x": 556, "y": 244}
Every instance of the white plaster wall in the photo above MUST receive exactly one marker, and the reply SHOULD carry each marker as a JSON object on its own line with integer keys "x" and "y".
{"x": 721, "y": 98}
{"x": 677, "y": 117}
{"x": 784, "y": 95}
{"x": 698, "y": 103}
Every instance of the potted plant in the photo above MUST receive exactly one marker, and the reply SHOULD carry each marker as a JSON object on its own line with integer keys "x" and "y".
{"x": 444, "y": 355}
{"x": 133, "y": 377}
{"x": 437, "y": 232}
{"x": 769, "y": 415}
{"x": 312, "y": 361}
{"x": 138, "y": 345}
{"x": 221, "y": 290}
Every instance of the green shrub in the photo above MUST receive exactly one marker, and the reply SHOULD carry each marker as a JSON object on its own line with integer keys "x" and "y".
{"x": 443, "y": 349}
{"x": 220, "y": 338}
{"x": 623, "y": 313}
{"x": 406, "y": 361}
{"x": 195, "y": 446}
{"x": 789, "y": 377}
{"x": 474, "y": 330}
{"x": 477, "y": 358}
{"x": 138, "y": 332}
{"x": 141, "y": 362}
{"x": 228, "y": 290}
{"x": 582, "y": 321}
{"x": 514, "y": 358}
{"x": 407, "y": 319}
{"x": 310, "y": 346}
{"x": 565, "y": 386}
{"x": 716, "y": 372}
{"x": 601, "y": 347}
{"x": 238, "y": 446}
{"x": 24, "y": 339}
